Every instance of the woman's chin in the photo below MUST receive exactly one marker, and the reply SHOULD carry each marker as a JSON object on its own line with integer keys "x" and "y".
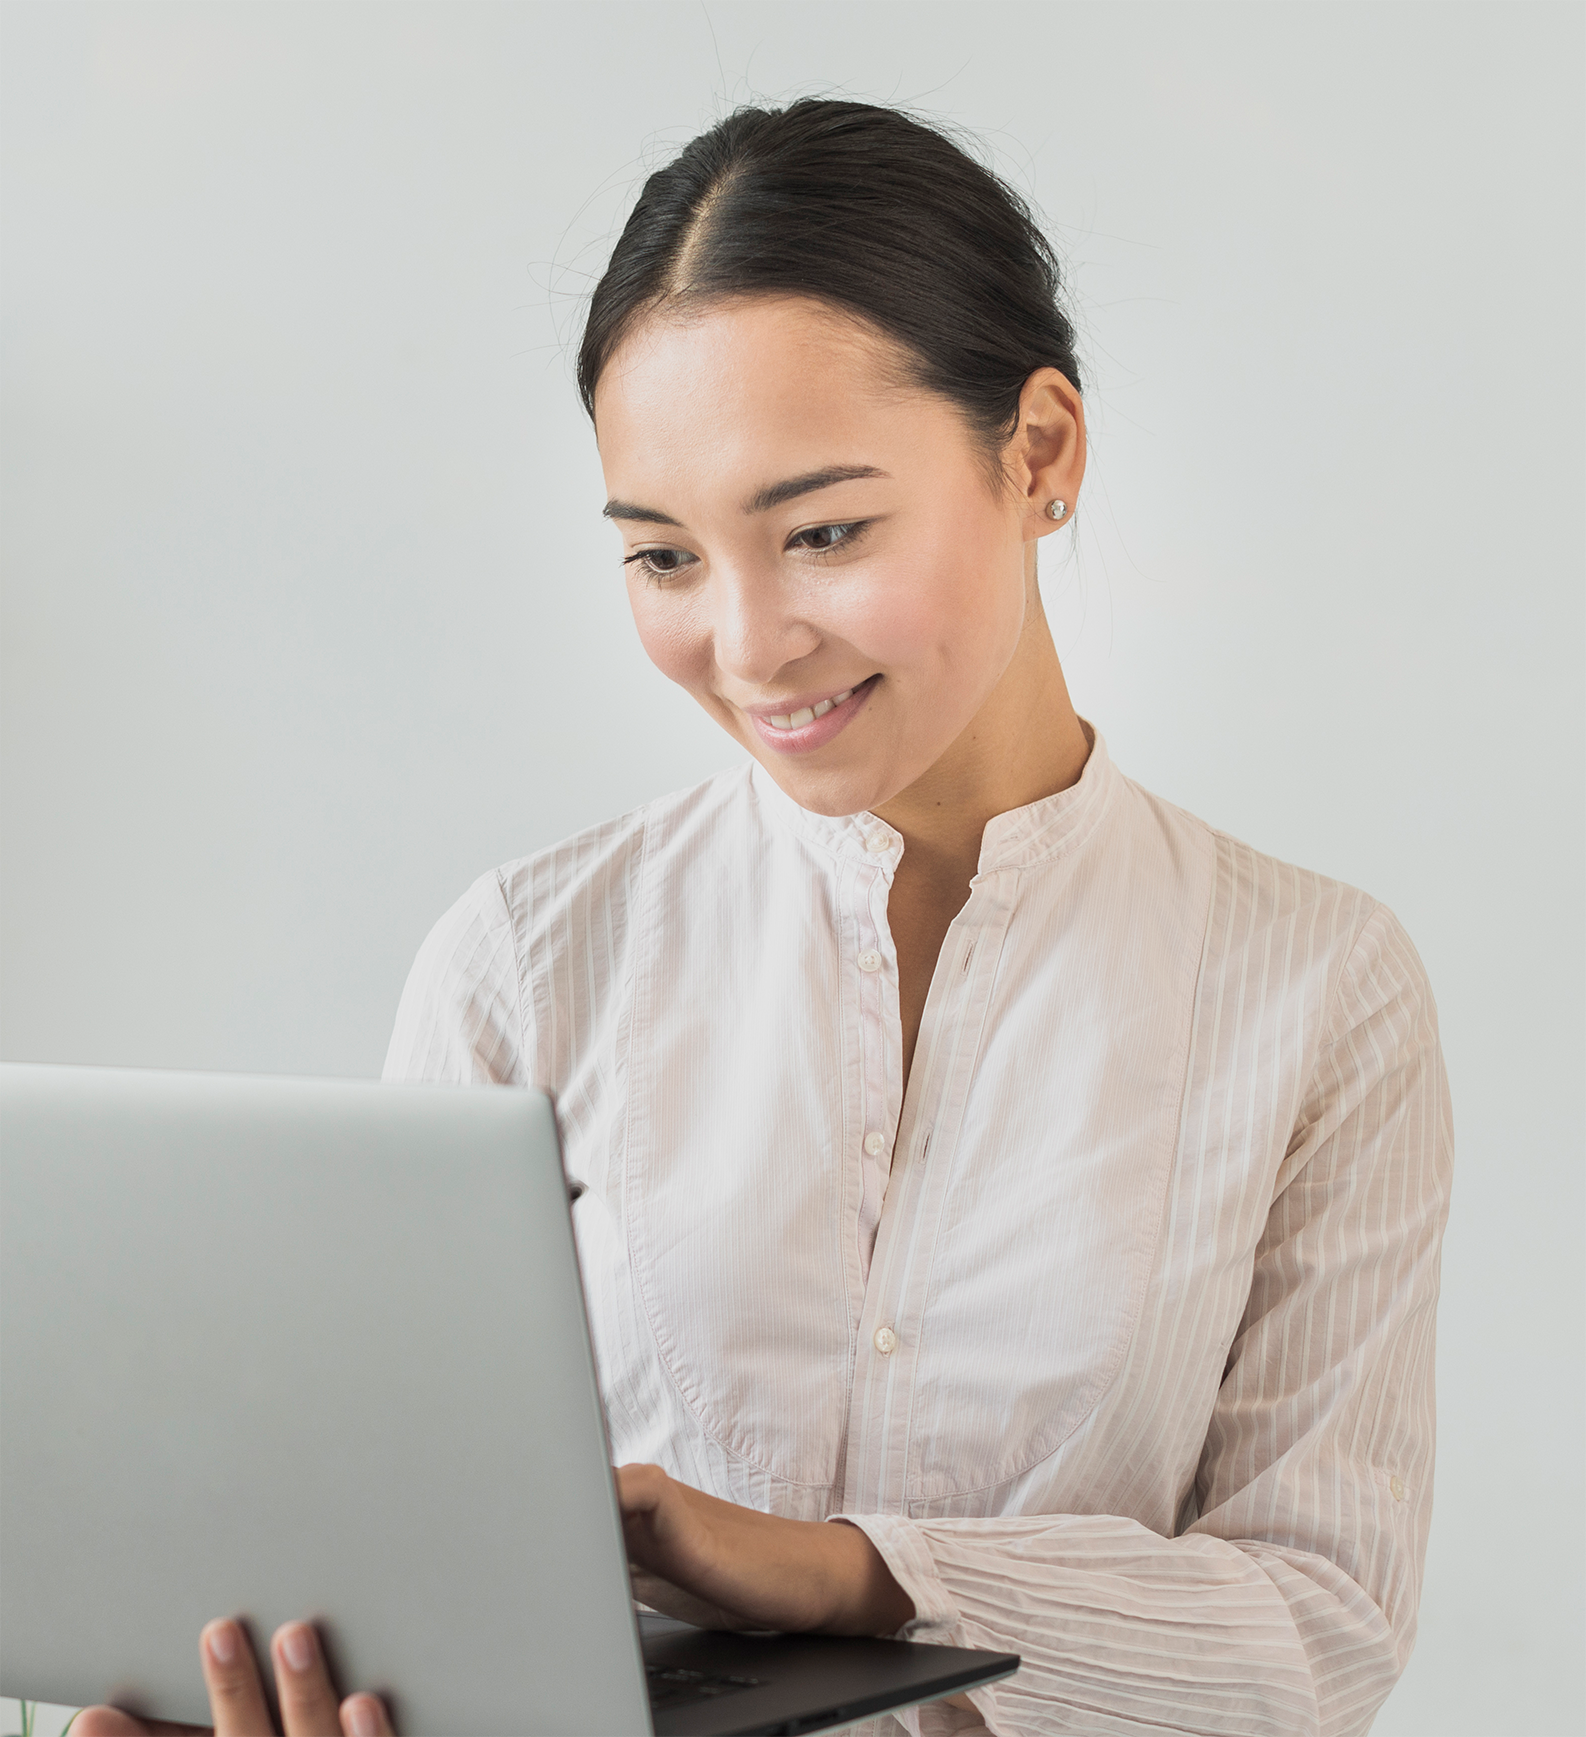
{"x": 833, "y": 793}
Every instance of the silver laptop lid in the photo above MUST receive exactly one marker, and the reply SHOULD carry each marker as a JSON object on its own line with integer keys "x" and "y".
{"x": 281, "y": 1348}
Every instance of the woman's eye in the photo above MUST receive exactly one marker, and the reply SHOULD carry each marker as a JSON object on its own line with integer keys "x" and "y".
{"x": 826, "y": 537}
{"x": 659, "y": 563}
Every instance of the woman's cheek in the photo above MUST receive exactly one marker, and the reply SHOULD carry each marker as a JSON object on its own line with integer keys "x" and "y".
{"x": 674, "y": 643}
{"x": 922, "y": 618}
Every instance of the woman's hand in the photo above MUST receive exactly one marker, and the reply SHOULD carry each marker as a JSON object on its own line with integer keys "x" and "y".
{"x": 722, "y": 1566}
{"x": 309, "y": 1705}
{"x": 691, "y": 1555}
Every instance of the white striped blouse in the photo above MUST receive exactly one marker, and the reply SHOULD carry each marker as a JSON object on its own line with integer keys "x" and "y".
{"x": 1115, "y": 1334}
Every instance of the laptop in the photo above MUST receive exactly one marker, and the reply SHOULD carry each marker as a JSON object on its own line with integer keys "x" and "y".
{"x": 275, "y": 1348}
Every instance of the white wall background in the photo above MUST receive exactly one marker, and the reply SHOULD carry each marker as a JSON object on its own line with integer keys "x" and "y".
{"x": 309, "y": 615}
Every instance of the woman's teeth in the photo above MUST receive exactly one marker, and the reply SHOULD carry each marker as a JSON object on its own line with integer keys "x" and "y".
{"x": 808, "y": 714}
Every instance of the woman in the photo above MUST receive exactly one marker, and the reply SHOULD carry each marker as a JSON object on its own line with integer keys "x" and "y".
{"x": 976, "y": 1149}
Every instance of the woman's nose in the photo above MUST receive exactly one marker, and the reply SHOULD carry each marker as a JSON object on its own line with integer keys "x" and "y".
{"x": 756, "y": 632}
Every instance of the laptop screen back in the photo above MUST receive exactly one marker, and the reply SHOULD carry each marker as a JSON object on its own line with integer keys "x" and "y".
{"x": 279, "y": 1348}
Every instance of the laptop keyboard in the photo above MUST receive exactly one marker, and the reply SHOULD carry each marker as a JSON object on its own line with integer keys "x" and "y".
{"x": 673, "y": 1687}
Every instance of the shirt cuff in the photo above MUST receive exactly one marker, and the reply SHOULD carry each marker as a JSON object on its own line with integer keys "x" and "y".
{"x": 903, "y": 1550}
{"x": 935, "y": 1620}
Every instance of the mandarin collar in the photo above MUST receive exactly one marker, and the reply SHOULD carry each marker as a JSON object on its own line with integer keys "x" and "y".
{"x": 1016, "y": 839}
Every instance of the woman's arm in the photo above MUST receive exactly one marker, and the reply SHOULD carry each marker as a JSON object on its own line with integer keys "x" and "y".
{"x": 1287, "y": 1603}
{"x": 746, "y": 1569}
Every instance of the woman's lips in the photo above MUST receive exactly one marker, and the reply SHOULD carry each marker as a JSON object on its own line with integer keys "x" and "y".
{"x": 813, "y": 726}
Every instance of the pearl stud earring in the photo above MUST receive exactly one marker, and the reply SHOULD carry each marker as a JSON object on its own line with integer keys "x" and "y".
{"x": 1056, "y": 509}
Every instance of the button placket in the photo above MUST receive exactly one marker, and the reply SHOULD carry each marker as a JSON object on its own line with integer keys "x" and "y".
{"x": 880, "y": 1051}
{"x": 876, "y": 1468}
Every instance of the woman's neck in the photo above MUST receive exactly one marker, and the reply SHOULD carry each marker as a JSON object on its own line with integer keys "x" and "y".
{"x": 1024, "y": 743}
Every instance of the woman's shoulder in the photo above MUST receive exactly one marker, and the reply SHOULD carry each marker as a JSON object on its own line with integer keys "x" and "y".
{"x": 1318, "y": 931}
{"x": 601, "y": 862}
{"x": 463, "y": 1013}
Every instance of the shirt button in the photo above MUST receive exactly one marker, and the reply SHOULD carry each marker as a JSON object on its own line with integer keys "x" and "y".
{"x": 870, "y": 960}
{"x": 878, "y": 842}
{"x": 875, "y": 1144}
{"x": 1396, "y": 1484}
{"x": 886, "y": 1341}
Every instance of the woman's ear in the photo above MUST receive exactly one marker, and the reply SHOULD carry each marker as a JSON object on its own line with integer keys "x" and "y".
{"x": 1048, "y": 449}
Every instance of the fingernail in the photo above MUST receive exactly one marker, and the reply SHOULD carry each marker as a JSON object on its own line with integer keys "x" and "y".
{"x": 221, "y": 1639}
{"x": 297, "y": 1646}
{"x": 363, "y": 1716}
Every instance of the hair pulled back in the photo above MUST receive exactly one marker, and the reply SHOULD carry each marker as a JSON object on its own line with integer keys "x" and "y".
{"x": 866, "y": 209}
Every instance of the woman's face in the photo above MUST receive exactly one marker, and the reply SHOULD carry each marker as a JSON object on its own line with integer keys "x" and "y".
{"x": 814, "y": 550}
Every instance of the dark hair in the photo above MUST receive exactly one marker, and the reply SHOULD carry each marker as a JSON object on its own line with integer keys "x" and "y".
{"x": 866, "y": 209}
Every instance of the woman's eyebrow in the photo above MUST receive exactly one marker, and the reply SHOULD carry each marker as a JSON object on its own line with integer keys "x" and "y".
{"x": 774, "y": 494}
{"x": 761, "y": 501}
{"x": 645, "y": 515}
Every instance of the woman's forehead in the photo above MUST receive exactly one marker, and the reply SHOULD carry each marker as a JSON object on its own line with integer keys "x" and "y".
{"x": 753, "y": 345}
{"x": 779, "y": 384}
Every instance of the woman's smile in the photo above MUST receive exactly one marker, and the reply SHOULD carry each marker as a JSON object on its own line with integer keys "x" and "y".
{"x": 805, "y": 724}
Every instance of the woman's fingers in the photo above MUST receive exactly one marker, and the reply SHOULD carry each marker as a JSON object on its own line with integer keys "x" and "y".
{"x": 112, "y": 1722}
{"x": 235, "y": 1696}
{"x": 309, "y": 1705}
{"x": 302, "y": 1684}
{"x": 107, "y": 1722}
{"x": 640, "y": 1490}
{"x": 364, "y": 1716}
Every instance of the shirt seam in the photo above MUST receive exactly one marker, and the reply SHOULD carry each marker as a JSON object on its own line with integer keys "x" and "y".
{"x": 529, "y": 1064}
